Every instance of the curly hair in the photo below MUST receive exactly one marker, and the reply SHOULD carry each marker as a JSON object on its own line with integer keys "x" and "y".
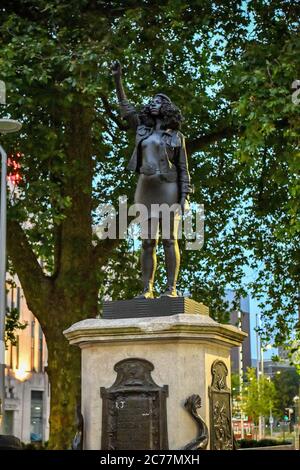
{"x": 169, "y": 113}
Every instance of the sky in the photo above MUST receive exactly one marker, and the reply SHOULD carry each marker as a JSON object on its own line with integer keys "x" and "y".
{"x": 254, "y": 310}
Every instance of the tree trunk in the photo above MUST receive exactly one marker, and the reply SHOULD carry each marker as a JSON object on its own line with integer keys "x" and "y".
{"x": 66, "y": 307}
{"x": 71, "y": 293}
{"x": 64, "y": 374}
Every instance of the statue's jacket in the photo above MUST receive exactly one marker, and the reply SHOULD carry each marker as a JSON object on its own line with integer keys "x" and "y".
{"x": 173, "y": 161}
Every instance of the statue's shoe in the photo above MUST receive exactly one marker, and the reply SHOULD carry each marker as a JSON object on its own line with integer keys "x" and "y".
{"x": 169, "y": 292}
{"x": 146, "y": 294}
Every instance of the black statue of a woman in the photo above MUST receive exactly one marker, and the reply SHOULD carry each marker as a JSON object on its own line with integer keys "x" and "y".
{"x": 160, "y": 159}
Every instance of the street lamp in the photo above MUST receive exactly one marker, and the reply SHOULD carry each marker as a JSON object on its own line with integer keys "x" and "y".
{"x": 259, "y": 371}
{"x": 7, "y": 126}
{"x": 241, "y": 376}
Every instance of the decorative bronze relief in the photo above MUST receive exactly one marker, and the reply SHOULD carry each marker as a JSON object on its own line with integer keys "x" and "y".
{"x": 192, "y": 405}
{"x": 134, "y": 413}
{"x": 221, "y": 435}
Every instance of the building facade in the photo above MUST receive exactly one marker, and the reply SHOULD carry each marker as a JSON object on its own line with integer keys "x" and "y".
{"x": 27, "y": 389}
{"x": 241, "y": 319}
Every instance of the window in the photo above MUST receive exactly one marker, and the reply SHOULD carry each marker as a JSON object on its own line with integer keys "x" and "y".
{"x": 12, "y": 297}
{"x": 36, "y": 419}
{"x": 32, "y": 344}
{"x": 40, "y": 349}
{"x": 9, "y": 423}
{"x": 18, "y": 303}
{"x": 10, "y": 349}
{"x": 18, "y": 352}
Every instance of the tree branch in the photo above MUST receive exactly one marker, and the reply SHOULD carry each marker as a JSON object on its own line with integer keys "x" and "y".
{"x": 36, "y": 285}
{"x": 109, "y": 111}
{"x": 103, "y": 249}
{"x": 199, "y": 143}
{"x": 222, "y": 131}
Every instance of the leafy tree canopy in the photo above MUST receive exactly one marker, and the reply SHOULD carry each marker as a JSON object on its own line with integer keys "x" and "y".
{"x": 229, "y": 66}
{"x": 287, "y": 386}
{"x": 259, "y": 396}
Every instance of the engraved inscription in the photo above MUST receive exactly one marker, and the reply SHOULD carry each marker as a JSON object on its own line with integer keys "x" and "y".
{"x": 134, "y": 423}
{"x": 134, "y": 409}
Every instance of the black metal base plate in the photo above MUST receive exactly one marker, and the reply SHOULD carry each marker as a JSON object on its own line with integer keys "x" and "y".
{"x": 164, "y": 306}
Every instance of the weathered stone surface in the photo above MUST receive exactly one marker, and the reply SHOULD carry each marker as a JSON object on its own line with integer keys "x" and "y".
{"x": 185, "y": 327}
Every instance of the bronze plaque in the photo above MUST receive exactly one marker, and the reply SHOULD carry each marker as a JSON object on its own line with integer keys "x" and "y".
{"x": 221, "y": 434}
{"x": 134, "y": 409}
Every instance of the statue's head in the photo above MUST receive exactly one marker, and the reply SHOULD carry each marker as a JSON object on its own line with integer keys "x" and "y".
{"x": 156, "y": 103}
{"x": 160, "y": 106}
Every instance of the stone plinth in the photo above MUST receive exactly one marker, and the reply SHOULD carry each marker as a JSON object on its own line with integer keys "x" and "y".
{"x": 182, "y": 349}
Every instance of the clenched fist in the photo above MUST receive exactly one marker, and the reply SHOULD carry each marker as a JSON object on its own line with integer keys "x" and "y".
{"x": 116, "y": 68}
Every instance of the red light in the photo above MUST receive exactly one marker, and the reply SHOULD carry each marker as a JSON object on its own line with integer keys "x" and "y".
{"x": 14, "y": 167}
{"x": 15, "y": 179}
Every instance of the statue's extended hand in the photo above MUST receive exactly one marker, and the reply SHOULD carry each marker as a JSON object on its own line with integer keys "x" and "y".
{"x": 116, "y": 68}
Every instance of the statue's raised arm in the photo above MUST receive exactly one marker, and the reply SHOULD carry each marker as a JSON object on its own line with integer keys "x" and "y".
{"x": 128, "y": 111}
{"x": 116, "y": 70}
